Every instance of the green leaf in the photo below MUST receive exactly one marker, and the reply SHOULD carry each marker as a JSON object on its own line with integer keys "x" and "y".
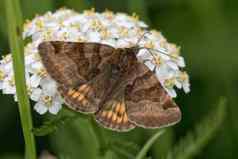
{"x": 52, "y": 125}
{"x": 149, "y": 143}
{"x": 194, "y": 141}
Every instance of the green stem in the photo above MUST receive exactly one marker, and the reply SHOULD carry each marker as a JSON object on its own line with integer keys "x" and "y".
{"x": 14, "y": 20}
{"x": 149, "y": 143}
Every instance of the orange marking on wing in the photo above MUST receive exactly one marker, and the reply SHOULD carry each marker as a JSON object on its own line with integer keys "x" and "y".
{"x": 118, "y": 107}
{"x": 70, "y": 92}
{"x": 82, "y": 87}
{"x": 125, "y": 118}
{"x": 86, "y": 90}
{"x": 114, "y": 117}
{"x": 122, "y": 109}
{"x": 109, "y": 114}
{"x": 104, "y": 113}
{"x": 84, "y": 102}
{"x": 119, "y": 120}
{"x": 81, "y": 97}
{"x": 76, "y": 94}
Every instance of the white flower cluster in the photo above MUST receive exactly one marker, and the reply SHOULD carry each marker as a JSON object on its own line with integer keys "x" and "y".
{"x": 118, "y": 30}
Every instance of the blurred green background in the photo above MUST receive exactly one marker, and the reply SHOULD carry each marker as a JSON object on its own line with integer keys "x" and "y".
{"x": 207, "y": 32}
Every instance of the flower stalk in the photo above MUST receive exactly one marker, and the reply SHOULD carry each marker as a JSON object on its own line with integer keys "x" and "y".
{"x": 149, "y": 143}
{"x": 14, "y": 21}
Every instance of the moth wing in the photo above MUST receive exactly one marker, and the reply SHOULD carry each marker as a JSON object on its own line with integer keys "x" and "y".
{"x": 86, "y": 98}
{"x": 148, "y": 104}
{"x": 113, "y": 114}
{"x": 79, "y": 69}
{"x": 74, "y": 63}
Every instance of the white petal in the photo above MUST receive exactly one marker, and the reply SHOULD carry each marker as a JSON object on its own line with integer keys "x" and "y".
{"x": 171, "y": 92}
{"x": 178, "y": 84}
{"x": 93, "y": 36}
{"x": 49, "y": 86}
{"x": 35, "y": 80}
{"x": 15, "y": 98}
{"x": 1, "y": 85}
{"x": 36, "y": 94}
{"x": 40, "y": 108}
{"x": 7, "y": 88}
{"x": 164, "y": 57}
{"x": 144, "y": 55}
{"x": 172, "y": 65}
{"x": 186, "y": 87}
{"x": 55, "y": 108}
{"x": 150, "y": 65}
{"x": 181, "y": 61}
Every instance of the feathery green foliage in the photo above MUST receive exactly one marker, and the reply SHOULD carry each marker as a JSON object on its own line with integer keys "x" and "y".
{"x": 52, "y": 125}
{"x": 194, "y": 141}
{"x": 14, "y": 20}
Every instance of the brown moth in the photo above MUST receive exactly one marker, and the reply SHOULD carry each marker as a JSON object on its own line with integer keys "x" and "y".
{"x": 110, "y": 83}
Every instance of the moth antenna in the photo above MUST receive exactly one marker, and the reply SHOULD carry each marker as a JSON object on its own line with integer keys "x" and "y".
{"x": 142, "y": 36}
{"x": 160, "y": 50}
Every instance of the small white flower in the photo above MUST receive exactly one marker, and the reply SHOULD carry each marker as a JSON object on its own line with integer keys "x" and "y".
{"x": 2, "y": 76}
{"x": 47, "y": 97}
{"x": 183, "y": 79}
{"x": 48, "y": 103}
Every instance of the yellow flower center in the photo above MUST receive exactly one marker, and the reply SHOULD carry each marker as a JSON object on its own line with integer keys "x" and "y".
{"x": 27, "y": 24}
{"x": 47, "y": 100}
{"x": 75, "y": 25}
{"x": 6, "y": 59}
{"x": 65, "y": 36}
{"x": 12, "y": 82}
{"x": 47, "y": 34}
{"x": 90, "y": 12}
{"x": 2, "y": 75}
{"x": 29, "y": 90}
{"x": 42, "y": 72}
{"x": 183, "y": 76}
{"x": 158, "y": 61}
{"x": 123, "y": 31}
{"x": 149, "y": 44}
{"x": 108, "y": 14}
{"x": 36, "y": 57}
{"x": 96, "y": 24}
{"x": 135, "y": 17}
{"x": 39, "y": 24}
{"x": 169, "y": 83}
{"x": 105, "y": 33}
